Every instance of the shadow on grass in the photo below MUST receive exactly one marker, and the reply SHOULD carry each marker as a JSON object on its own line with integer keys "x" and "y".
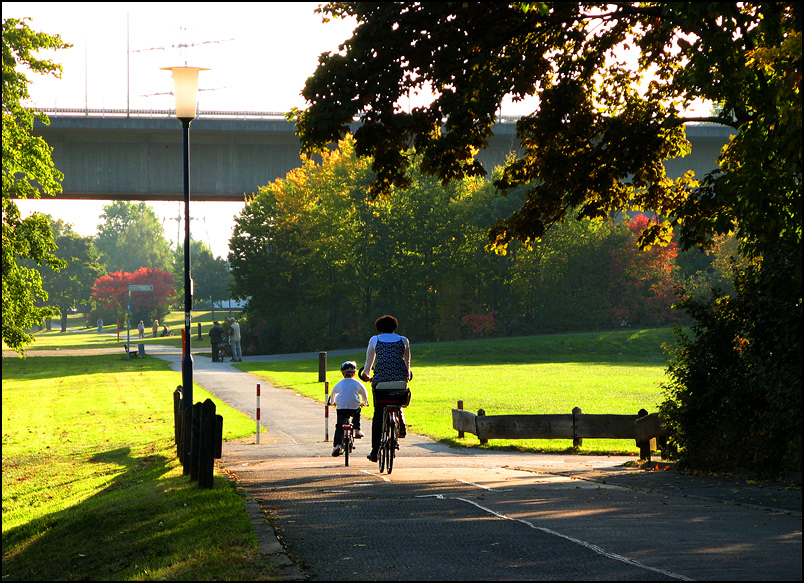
{"x": 141, "y": 522}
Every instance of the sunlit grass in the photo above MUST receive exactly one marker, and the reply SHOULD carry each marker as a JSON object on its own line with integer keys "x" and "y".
{"x": 91, "y": 485}
{"x": 79, "y": 336}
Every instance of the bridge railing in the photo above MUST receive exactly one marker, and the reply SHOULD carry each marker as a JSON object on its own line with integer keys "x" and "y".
{"x": 155, "y": 113}
{"x": 162, "y": 113}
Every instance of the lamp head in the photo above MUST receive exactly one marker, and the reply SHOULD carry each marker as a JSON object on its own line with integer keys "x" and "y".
{"x": 185, "y": 88}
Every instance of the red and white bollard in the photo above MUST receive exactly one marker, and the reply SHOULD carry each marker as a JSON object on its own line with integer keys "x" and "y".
{"x": 258, "y": 414}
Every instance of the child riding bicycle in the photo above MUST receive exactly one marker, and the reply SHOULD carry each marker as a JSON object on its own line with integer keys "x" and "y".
{"x": 348, "y": 396}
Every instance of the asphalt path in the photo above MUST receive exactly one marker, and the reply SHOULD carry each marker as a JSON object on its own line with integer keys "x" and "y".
{"x": 448, "y": 514}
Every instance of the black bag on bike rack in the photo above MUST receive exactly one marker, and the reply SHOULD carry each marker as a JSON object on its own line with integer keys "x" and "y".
{"x": 392, "y": 393}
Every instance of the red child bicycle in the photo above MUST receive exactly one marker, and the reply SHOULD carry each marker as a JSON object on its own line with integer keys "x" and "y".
{"x": 348, "y": 440}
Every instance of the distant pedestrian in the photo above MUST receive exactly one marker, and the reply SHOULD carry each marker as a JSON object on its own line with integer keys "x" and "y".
{"x": 234, "y": 337}
{"x": 155, "y": 327}
{"x": 141, "y": 329}
{"x": 100, "y": 325}
{"x": 216, "y": 338}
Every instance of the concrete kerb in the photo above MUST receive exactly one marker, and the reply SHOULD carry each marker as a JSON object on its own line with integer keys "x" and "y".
{"x": 268, "y": 542}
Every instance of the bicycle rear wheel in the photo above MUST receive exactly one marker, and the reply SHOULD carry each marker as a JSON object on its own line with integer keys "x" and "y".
{"x": 347, "y": 448}
{"x": 383, "y": 453}
{"x": 390, "y": 447}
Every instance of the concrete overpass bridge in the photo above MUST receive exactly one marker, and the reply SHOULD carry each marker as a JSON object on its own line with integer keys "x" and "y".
{"x": 137, "y": 155}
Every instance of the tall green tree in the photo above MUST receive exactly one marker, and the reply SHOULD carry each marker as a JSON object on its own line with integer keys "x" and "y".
{"x": 28, "y": 172}
{"x": 130, "y": 236}
{"x": 71, "y": 285}
{"x": 320, "y": 259}
{"x": 307, "y": 249}
{"x": 212, "y": 279}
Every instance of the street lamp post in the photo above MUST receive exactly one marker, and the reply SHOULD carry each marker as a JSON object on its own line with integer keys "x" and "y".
{"x": 185, "y": 82}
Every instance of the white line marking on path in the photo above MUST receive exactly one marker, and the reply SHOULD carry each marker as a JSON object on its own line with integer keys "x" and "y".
{"x": 484, "y": 487}
{"x": 590, "y": 546}
{"x": 375, "y": 475}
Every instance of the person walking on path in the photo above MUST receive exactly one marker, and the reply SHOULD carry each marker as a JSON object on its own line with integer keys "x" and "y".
{"x": 141, "y": 329}
{"x": 234, "y": 337}
{"x": 389, "y": 354}
{"x": 216, "y": 338}
{"x": 100, "y": 325}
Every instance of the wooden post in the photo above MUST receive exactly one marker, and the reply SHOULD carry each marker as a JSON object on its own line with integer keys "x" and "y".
{"x": 177, "y": 420}
{"x": 645, "y": 446}
{"x": 576, "y": 441}
{"x": 186, "y": 432}
{"x": 195, "y": 441}
{"x": 460, "y": 406}
{"x": 322, "y": 367}
{"x": 206, "y": 449}
{"x": 218, "y": 437}
{"x": 482, "y": 413}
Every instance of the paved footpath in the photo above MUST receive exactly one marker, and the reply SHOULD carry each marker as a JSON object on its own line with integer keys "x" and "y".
{"x": 447, "y": 514}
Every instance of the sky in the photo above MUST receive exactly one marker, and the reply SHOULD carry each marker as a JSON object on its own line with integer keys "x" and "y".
{"x": 259, "y": 56}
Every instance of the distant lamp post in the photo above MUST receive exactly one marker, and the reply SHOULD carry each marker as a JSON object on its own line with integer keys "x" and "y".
{"x": 185, "y": 88}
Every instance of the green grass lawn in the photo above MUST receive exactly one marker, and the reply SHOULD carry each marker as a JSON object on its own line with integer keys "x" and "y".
{"x": 91, "y": 485}
{"x": 610, "y": 372}
{"x": 79, "y": 336}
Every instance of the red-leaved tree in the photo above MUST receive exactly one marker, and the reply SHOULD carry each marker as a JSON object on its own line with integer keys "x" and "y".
{"x": 647, "y": 282}
{"x": 111, "y": 294}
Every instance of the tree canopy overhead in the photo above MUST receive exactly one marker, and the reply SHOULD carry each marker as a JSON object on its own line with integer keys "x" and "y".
{"x": 603, "y": 124}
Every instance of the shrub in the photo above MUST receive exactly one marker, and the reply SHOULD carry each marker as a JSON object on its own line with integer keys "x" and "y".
{"x": 734, "y": 396}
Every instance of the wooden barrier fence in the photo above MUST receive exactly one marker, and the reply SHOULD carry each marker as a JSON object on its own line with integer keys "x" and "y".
{"x": 644, "y": 428}
{"x": 205, "y": 443}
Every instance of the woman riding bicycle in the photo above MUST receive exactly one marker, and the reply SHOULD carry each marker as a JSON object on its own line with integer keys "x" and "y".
{"x": 389, "y": 354}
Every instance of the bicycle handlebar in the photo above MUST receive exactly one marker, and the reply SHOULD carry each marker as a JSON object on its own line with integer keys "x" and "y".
{"x": 363, "y": 377}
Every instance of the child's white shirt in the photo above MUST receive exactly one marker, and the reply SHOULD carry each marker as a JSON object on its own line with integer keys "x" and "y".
{"x": 349, "y": 393}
